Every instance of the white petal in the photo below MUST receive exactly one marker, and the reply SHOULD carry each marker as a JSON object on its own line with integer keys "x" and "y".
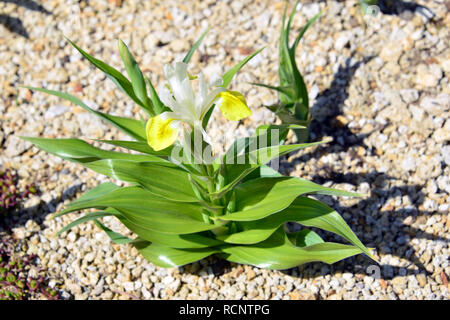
{"x": 216, "y": 81}
{"x": 168, "y": 71}
{"x": 181, "y": 70}
{"x": 201, "y": 95}
{"x": 167, "y": 115}
{"x": 175, "y": 124}
{"x": 167, "y": 98}
{"x": 210, "y": 99}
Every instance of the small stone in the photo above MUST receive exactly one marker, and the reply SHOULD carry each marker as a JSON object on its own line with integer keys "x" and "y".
{"x": 409, "y": 164}
{"x": 342, "y": 41}
{"x": 301, "y": 295}
{"x": 251, "y": 275}
{"x": 428, "y": 76}
{"x": 72, "y": 236}
{"x": 422, "y": 279}
{"x": 436, "y": 105}
{"x": 128, "y": 286}
{"x": 445, "y": 152}
{"x": 55, "y": 111}
{"x": 15, "y": 146}
{"x": 409, "y": 95}
{"x": 426, "y": 257}
{"x": 89, "y": 257}
{"x": 145, "y": 293}
{"x": 442, "y": 134}
{"x": 116, "y": 3}
{"x": 391, "y": 52}
{"x": 58, "y": 76}
{"x": 399, "y": 282}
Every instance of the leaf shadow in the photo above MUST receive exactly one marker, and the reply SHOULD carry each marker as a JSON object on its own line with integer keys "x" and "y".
{"x": 328, "y": 106}
{"x": 388, "y": 230}
{"x": 404, "y": 8}
{"x": 14, "y": 24}
{"x": 39, "y": 211}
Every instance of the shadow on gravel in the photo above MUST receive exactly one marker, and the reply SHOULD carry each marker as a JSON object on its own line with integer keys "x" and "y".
{"x": 384, "y": 230}
{"x": 328, "y": 107}
{"x": 38, "y": 212}
{"x": 14, "y": 24}
{"x": 400, "y": 8}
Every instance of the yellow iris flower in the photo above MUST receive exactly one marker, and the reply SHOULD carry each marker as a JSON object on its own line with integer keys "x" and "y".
{"x": 190, "y": 108}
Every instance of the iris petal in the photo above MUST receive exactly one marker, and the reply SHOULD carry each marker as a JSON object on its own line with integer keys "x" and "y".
{"x": 233, "y": 105}
{"x": 160, "y": 133}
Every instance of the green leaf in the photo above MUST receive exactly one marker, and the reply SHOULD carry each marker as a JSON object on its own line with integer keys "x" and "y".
{"x": 180, "y": 241}
{"x": 118, "y": 78}
{"x": 148, "y": 211}
{"x": 305, "y": 28}
{"x": 170, "y": 257}
{"x": 279, "y": 253}
{"x": 286, "y": 91}
{"x": 158, "y": 106}
{"x": 132, "y": 127}
{"x": 114, "y": 236}
{"x": 258, "y": 198}
{"x": 263, "y": 171}
{"x": 139, "y": 146}
{"x": 98, "y": 191}
{"x": 305, "y": 211}
{"x": 88, "y": 217}
{"x": 289, "y": 74}
{"x": 207, "y": 116}
{"x": 135, "y": 74}
{"x": 168, "y": 182}
{"x": 188, "y": 56}
{"x": 304, "y": 238}
{"x": 244, "y": 164}
{"x": 229, "y": 75}
{"x": 82, "y": 152}
{"x": 263, "y": 137}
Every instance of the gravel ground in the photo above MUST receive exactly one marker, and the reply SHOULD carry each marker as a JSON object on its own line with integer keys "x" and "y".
{"x": 381, "y": 93}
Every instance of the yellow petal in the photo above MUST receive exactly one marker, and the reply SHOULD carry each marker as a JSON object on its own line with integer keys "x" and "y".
{"x": 233, "y": 105}
{"x": 160, "y": 134}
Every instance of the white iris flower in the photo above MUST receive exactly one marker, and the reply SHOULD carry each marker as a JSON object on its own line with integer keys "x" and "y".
{"x": 190, "y": 108}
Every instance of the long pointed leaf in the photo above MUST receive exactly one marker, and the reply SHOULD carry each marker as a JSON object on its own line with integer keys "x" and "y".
{"x": 118, "y": 78}
{"x": 136, "y": 77}
{"x": 139, "y": 146}
{"x": 158, "y": 106}
{"x": 179, "y": 241}
{"x": 279, "y": 253}
{"x": 88, "y": 217}
{"x": 115, "y": 237}
{"x": 170, "y": 257}
{"x": 305, "y": 28}
{"x": 148, "y": 211}
{"x": 259, "y": 198}
{"x": 165, "y": 181}
{"x": 246, "y": 163}
{"x": 188, "y": 56}
{"x": 80, "y": 151}
{"x": 134, "y": 128}
{"x": 306, "y": 211}
{"x": 228, "y": 76}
